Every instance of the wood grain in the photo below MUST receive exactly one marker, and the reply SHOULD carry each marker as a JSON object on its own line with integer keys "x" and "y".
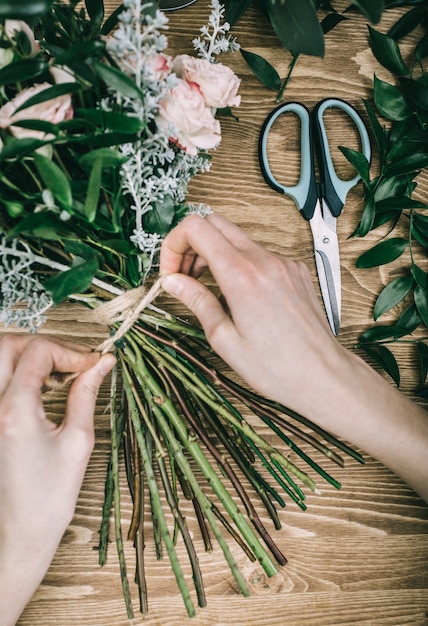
{"x": 356, "y": 556}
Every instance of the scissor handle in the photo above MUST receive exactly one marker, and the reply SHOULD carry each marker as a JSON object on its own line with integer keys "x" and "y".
{"x": 335, "y": 188}
{"x": 304, "y": 193}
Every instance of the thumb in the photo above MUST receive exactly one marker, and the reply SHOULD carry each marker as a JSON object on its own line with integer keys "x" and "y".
{"x": 83, "y": 394}
{"x": 203, "y": 303}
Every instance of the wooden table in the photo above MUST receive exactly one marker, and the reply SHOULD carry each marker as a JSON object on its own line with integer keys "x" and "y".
{"x": 356, "y": 556}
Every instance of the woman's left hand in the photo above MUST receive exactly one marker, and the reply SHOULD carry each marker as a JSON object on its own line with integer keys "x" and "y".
{"x": 42, "y": 464}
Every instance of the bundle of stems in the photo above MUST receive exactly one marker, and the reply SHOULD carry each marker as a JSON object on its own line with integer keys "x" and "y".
{"x": 175, "y": 416}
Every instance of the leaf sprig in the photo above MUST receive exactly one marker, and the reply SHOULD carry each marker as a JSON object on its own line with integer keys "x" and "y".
{"x": 399, "y": 120}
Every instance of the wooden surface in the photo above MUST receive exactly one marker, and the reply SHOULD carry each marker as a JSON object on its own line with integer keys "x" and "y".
{"x": 356, "y": 556}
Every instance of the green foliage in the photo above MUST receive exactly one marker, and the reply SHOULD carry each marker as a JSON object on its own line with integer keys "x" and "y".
{"x": 73, "y": 281}
{"x": 403, "y": 154}
{"x": 22, "y": 9}
{"x": 297, "y": 24}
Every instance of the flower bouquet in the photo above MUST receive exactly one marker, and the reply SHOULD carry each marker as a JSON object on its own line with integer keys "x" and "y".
{"x": 100, "y": 133}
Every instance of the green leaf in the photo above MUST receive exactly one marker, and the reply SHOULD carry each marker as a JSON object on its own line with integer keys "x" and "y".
{"x": 41, "y": 226}
{"x": 421, "y": 50}
{"x": 117, "y": 80}
{"x": 390, "y": 102}
{"x": 407, "y": 22}
{"x": 420, "y": 276}
{"x": 117, "y": 122}
{"x": 359, "y": 161}
{"x": 104, "y": 140}
{"x": 160, "y": 218}
{"x": 384, "y": 252}
{"x": 387, "y": 52}
{"x": 367, "y": 218}
{"x": 416, "y": 92}
{"x": 54, "y": 179}
{"x": 80, "y": 52}
{"x": 331, "y": 21}
{"x": 235, "y": 9}
{"x": 408, "y": 165}
{"x": 41, "y": 125}
{"x": 372, "y": 9}
{"x": 422, "y": 349}
{"x": 421, "y": 300}
{"x": 401, "y": 149}
{"x": 95, "y": 10}
{"x": 81, "y": 249}
{"x": 409, "y": 319}
{"x": 379, "y": 132}
{"x": 16, "y": 148}
{"x": 399, "y": 203}
{"x": 297, "y": 26}
{"x": 262, "y": 69}
{"x": 112, "y": 20}
{"x": 387, "y": 361}
{"x": 22, "y": 70}
{"x": 49, "y": 93}
{"x": 23, "y": 9}
{"x": 108, "y": 156}
{"x": 381, "y": 332}
{"x": 388, "y": 187}
{"x": 73, "y": 281}
{"x": 392, "y": 294}
{"x": 94, "y": 190}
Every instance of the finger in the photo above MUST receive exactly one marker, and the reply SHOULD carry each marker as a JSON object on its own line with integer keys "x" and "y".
{"x": 39, "y": 358}
{"x": 11, "y": 348}
{"x": 203, "y": 303}
{"x": 197, "y": 235}
{"x": 83, "y": 395}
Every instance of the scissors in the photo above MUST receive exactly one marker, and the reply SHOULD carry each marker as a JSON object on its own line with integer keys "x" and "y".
{"x": 322, "y": 202}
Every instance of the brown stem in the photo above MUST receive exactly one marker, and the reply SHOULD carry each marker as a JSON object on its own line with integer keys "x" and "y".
{"x": 227, "y": 469}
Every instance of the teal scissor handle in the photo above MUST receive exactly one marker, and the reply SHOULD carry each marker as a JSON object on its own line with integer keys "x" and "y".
{"x": 312, "y": 132}
{"x": 335, "y": 189}
{"x": 304, "y": 193}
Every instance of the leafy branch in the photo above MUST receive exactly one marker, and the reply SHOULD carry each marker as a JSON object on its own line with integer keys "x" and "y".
{"x": 399, "y": 122}
{"x": 301, "y": 26}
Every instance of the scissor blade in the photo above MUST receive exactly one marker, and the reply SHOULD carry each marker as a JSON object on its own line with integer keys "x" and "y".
{"x": 327, "y": 260}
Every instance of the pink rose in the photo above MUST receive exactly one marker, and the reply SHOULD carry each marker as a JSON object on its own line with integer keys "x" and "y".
{"x": 218, "y": 84}
{"x": 158, "y": 66}
{"x": 184, "y": 110}
{"x": 55, "y": 110}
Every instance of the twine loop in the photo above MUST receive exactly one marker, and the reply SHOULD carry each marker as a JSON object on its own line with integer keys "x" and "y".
{"x": 125, "y": 308}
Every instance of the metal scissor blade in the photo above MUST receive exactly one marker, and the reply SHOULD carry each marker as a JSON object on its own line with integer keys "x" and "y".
{"x": 327, "y": 260}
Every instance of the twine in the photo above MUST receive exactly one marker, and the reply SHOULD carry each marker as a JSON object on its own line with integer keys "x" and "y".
{"x": 125, "y": 308}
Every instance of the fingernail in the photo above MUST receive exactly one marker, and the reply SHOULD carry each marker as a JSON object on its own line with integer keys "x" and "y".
{"x": 173, "y": 285}
{"x": 106, "y": 364}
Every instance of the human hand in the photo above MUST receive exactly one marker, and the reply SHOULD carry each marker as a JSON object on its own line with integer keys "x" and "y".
{"x": 274, "y": 334}
{"x": 42, "y": 464}
{"x": 273, "y": 331}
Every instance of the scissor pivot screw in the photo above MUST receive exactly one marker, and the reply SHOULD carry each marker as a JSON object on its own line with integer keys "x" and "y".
{"x": 325, "y": 240}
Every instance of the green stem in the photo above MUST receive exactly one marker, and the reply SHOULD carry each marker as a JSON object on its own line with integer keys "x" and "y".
{"x": 287, "y": 78}
{"x": 116, "y": 489}
{"x": 200, "y": 386}
{"x": 155, "y": 496}
{"x": 162, "y": 406}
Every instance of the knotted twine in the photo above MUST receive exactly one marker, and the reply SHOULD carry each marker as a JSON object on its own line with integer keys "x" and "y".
{"x": 125, "y": 308}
